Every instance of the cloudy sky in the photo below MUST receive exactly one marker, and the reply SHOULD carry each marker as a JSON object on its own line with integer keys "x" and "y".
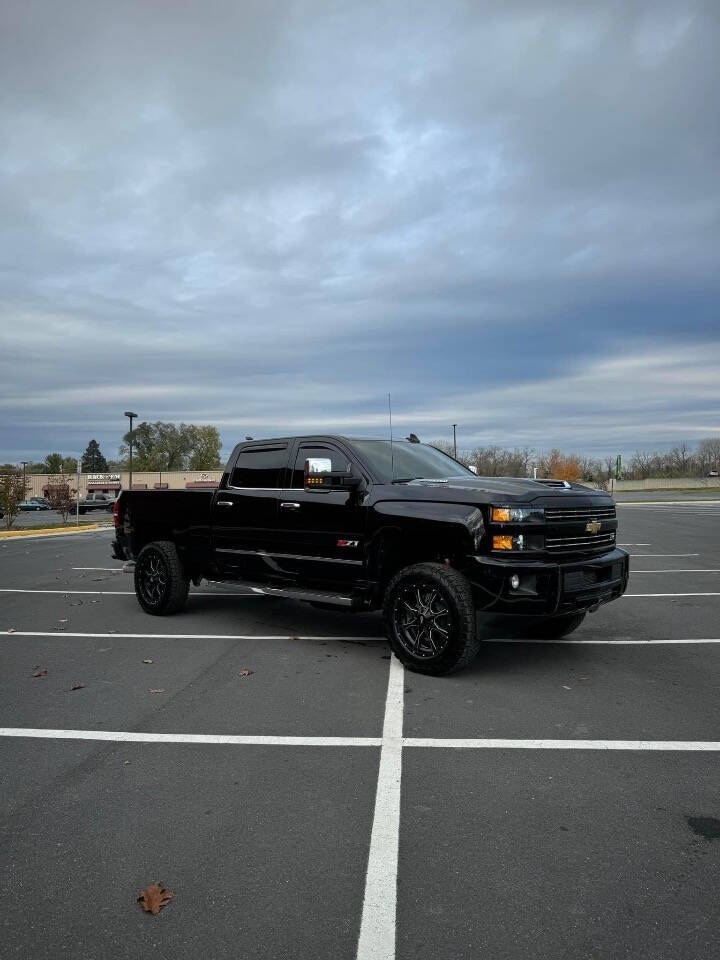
{"x": 266, "y": 215}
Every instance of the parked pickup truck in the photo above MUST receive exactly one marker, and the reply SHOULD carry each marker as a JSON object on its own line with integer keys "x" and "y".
{"x": 96, "y": 501}
{"x": 369, "y": 524}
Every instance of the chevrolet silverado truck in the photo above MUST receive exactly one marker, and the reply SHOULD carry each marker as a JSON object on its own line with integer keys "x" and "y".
{"x": 367, "y": 524}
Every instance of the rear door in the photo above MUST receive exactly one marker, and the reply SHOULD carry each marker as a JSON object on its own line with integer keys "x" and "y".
{"x": 245, "y": 513}
{"x": 321, "y": 532}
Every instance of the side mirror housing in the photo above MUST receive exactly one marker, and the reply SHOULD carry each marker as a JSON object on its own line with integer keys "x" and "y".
{"x": 320, "y": 476}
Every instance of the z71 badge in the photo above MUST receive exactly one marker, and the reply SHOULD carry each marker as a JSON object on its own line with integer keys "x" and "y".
{"x": 348, "y": 543}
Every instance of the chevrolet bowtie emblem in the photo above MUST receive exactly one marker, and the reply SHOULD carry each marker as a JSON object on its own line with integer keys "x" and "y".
{"x": 593, "y": 526}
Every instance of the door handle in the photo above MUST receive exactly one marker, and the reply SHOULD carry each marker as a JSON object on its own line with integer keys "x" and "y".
{"x": 225, "y": 503}
{"x": 290, "y": 506}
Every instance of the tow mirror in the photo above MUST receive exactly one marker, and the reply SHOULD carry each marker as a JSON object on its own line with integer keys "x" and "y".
{"x": 319, "y": 475}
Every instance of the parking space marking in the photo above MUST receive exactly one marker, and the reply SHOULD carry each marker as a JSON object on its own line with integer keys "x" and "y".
{"x": 106, "y": 569}
{"x": 123, "y": 736}
{"x": 382, "y": 865}
{"x": 176, "y": 636}
{"x": 665, "y": 556}
{"x": 125, "y": 593}
{"x": 674, "y": 746}
{"x": 620, "y": 642}
{"x": 689, "y": 570}
{"x": 629, "y": 596}
{"x": 377, "y": 926}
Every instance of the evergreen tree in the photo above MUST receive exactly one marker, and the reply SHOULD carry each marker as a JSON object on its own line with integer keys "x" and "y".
{"x": 92, "y": 460}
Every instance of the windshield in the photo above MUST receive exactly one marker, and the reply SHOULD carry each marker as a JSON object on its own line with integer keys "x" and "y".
{"x": 408, "y": 461}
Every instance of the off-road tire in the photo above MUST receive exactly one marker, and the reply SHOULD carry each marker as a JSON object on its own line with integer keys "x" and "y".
{"x": 170, "y": 596}
{"x": 553, "y": 628}
{"x": 462, "y": 643}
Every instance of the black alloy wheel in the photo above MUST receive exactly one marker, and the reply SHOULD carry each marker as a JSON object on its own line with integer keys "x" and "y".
{"x": 422, "y": 620}
{"x": 161, "y": 584}
{"x": 430, "y": 618}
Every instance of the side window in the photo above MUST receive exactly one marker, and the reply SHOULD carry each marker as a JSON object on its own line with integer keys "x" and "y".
{"x": 259, "y": 467}
{"x": 339, "y": 461}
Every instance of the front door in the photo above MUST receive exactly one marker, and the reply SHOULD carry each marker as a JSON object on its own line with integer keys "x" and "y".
{"x": 322, "y": 532}
{"x": 245, "y": 513}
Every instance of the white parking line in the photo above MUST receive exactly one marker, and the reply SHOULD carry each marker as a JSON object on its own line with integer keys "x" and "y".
{"x": 631, "y": 595}
{"x": 175, "y": 636}
{"x": 620, "y": 642}
{"x": 691, "y": 570}
{"x": 124, "y": 593}
{"x": 665, "y": 556}
{"x": 108, "y": 569}
{"x": 122, "y": 736}
{"x": 710, "y": 746}
{"x": 377, "y": 926}
{"x": 384, "y": 842}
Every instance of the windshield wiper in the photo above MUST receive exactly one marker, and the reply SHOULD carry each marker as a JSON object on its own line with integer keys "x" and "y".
{"x": 405, "y": 479}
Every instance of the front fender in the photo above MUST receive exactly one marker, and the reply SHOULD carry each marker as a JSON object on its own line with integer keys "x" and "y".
{"x": 422, "y": 524}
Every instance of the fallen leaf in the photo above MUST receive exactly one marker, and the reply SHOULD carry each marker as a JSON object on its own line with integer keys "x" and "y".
{"x": 246, "y": 673}
{"x": 40, "y": 673}
{"x": 64, "y": 620}
{"x": 566, "y": 688}
{"x": 147, "y": 661}
{"x": 11, "y": 630}
{"x": 155, "y": 691}
{"x": 154, "y": 897}
{"x": 77, "y": 686}
{"x": 95, "y": 601}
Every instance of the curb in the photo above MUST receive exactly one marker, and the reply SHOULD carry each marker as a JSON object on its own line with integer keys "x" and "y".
{"x": 50, "y": 532}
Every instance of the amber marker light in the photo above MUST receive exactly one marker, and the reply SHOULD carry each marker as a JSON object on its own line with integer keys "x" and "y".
{"x": 501, "y": 514}
{"x": 502, "y": 543}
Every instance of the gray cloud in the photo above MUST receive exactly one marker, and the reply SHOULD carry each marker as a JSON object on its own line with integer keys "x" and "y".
{"x": 267, "y": 215}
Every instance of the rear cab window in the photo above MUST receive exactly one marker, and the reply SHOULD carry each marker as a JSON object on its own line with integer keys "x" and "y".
{"x": 259, "y": 468}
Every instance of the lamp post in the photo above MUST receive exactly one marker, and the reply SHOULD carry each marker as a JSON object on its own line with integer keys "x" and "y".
{"x": 454, "y": 426}
{"x": 24, "y": 464}
{"x": 130, "y": 415}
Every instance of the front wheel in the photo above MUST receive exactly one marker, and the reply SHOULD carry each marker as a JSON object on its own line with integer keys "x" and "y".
{"x": 161, "y": 584}
{"x": 430, "y": 619}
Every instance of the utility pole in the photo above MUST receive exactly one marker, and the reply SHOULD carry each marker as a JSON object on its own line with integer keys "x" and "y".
{"x": 24, "y": 464}
{"x": 131, "y": 416}
{"x": 454, "y": 426}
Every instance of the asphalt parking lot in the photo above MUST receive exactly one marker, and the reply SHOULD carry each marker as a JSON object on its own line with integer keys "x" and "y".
{"x": 554, "y": 800}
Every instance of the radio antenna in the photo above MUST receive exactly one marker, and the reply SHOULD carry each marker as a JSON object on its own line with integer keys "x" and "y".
{"x": 392, "y": 452}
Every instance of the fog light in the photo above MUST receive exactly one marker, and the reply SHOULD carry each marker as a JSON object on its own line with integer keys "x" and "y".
{"x": 514, "y": 581}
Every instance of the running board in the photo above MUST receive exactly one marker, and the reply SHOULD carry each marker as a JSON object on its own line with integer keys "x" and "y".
{"x": 297, "y": 593}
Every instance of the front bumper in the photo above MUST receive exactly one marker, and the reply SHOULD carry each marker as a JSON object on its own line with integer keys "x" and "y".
{"x": 547, "y": 588}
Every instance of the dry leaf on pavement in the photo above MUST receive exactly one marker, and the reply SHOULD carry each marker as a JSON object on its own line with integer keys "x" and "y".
{"x": 156, "y": 691}
{"x": 39, "y": 673}
{"x": 77, "y": 686}
{"x": 147, "y": 661}
{"x": 154, "y": 897}
{"x": 245, "y": 673}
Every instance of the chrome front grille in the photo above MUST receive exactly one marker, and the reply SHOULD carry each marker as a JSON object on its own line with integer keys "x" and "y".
{"x": 567, "y": 544}
{"x": 579, "y": 514}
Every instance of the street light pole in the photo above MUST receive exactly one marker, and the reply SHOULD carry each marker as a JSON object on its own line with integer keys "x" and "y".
{"x": 454, "y": 426}
{"x": 131, "y": 416}
{"x": 24, "y": 464}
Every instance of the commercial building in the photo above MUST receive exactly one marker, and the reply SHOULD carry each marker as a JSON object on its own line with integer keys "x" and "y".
{"x": 113, "y": 483}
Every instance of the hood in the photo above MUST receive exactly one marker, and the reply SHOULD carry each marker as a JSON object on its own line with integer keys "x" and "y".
{"x": 507, "y": 488}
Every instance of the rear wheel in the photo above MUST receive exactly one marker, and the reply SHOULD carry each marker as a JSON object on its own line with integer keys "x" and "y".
{"x": 161, "y": 584}
{"x": 430, "y": 619}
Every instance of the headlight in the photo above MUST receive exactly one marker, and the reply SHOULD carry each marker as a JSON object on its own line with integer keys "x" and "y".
{"x": 517, "y": 514}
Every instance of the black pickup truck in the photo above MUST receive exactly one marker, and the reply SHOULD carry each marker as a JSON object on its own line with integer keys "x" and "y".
{"x": 368, "y": 524}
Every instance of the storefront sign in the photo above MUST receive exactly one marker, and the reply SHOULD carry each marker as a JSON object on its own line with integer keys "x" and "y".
{"x": 103, "y": 478}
